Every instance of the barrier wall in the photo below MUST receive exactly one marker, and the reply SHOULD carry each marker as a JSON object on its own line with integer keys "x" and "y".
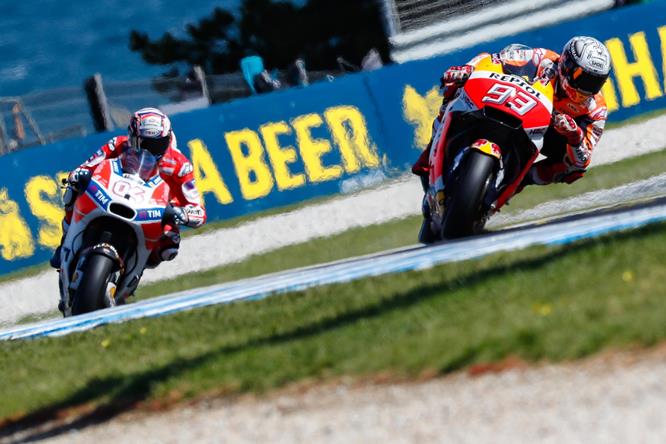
{"x": 286, "y": 147}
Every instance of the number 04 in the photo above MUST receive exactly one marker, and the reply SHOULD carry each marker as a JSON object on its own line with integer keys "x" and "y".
{"x": 516, "y": 100}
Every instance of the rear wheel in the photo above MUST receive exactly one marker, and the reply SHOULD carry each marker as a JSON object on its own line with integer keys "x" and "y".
{"x": 89, "y": 296}
{"x": 464, "y": 209}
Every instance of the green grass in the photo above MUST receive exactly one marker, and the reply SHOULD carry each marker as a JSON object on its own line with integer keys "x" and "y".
{"x": 24, "y": 273}
{"x": 539, "y": 304}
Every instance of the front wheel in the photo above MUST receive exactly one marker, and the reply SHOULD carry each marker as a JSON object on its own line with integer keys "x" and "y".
{"x": 464, "y": 213}
{"x": 89, "y": 296}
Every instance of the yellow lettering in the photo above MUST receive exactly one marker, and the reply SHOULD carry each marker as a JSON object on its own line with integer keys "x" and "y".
{"x": 15, "y": 237}
{"x": 253, "y": 174}
{"x": 350, "y": 133}
{"x": 42, "y": 194}
{"x": 206, "y": 174}
{"x": 608, "y": 91}
{"x": 642, "y": 67}
{"x": 281, "y": 156}
{"x": 312, "y": 149}
{"x": 420, "y": 112}
{"x": 662, "y": 37}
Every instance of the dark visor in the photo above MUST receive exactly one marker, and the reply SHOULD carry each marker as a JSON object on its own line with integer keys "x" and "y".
{"x": 156, "y": 147}
{"x": 587, "y": 83}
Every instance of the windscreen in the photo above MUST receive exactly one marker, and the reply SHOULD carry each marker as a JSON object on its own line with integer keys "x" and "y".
{"x": 519, "y": 60}
{"x": 139, "y": 163}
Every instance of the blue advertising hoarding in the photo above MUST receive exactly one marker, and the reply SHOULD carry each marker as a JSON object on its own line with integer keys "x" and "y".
{"x": 282, "y": 148}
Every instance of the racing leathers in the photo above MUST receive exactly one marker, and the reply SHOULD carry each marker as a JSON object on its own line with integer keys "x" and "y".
{"x": 176, "y": 170}
{"x": 575, "y": 129}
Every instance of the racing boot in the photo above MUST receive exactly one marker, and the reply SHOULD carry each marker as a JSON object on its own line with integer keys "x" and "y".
{"x": 167, "y": 250}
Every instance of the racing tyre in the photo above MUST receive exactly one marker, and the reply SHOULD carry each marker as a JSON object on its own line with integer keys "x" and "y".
{"x": 89, "y": 296}
{"x": 464, "y": 213}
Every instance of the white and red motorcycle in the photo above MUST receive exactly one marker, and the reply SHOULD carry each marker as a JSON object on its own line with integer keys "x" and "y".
{"x": 118, "y": 220}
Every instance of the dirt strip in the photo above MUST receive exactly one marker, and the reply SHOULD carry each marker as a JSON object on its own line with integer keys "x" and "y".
{"x": 612, "y": 398}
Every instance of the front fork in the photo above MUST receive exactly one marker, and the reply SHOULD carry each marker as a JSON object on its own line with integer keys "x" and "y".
{"x": 435, "y": 195}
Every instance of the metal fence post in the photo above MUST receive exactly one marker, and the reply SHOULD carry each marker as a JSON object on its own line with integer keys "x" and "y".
{"x": 99, "y": 106}
{"x": 391, "y": 21}
{"x": 200, "y": 76}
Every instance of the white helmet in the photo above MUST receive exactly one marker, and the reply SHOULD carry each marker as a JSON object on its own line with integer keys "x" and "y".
{"x": 583, "y": 68}
{"x": 150, "y": 129}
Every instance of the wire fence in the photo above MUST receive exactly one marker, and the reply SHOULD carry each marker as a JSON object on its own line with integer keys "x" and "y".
{"x": 415, "y": 14}
{"x": 62, "y": 113}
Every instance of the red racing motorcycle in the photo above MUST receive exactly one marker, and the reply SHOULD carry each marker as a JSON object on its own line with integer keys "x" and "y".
{"x": 491, "y": 133}
{"x": 118, "y": 220}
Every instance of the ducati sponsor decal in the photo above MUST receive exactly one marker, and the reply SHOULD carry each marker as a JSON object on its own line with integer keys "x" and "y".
{"x": 149, "y": 214}
{"x": 97, "y": 193}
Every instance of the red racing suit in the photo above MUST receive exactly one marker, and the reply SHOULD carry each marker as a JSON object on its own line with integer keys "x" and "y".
{"x": 564, "y": 162}
{"x": 176, "y": 170}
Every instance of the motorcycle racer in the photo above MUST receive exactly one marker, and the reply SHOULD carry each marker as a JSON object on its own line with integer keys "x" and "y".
{"x": 579, "y": 109}
{"x": 149, "y": 129}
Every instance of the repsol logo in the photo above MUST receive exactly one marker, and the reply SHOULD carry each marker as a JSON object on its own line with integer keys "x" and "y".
{"x": 516, "y": 81}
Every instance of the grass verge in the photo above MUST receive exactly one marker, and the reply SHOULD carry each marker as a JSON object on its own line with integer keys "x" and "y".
{"x": 539, "y": 304}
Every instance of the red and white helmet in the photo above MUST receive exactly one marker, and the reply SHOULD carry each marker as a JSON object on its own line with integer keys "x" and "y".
{"x": 150, "y": 129}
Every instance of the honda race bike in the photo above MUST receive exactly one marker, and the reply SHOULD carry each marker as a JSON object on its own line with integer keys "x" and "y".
{"x": 117, "y": 221}
{"x": 491, "y": 133}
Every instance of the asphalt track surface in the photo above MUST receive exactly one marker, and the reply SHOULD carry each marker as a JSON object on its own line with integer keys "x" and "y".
{"x": 557, "y": 231}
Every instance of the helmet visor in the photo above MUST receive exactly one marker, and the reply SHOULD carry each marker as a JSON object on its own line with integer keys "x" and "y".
{"x": 586, "y": 82}
{"x": 157, "y": 147}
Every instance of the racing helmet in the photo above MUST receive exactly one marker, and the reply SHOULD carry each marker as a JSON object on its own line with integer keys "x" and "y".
{"x": 583, "y": 68}
{"x": 150, "y": 129}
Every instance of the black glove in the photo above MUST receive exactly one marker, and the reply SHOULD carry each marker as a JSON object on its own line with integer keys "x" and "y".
{"x": 78, "y": 179}
{"x": 180, "y": 217}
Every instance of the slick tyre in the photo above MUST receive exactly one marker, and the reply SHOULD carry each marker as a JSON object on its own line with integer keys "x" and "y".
{"x": 464, "y": 215}
{"x": 90, "y": 294}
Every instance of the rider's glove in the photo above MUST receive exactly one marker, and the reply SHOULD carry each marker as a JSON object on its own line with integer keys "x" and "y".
{"x": 565, "y": 125}
{"x": 79, "y": 178}
{"x": 180, "y": 216}
{"x": 456, "y": 75}
{"x": 189, "y": 215}
{"x": 547, "y": 70}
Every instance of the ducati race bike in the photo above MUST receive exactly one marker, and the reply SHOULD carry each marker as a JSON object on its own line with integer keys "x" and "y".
{"x": 118, "y": 220}
{"x": 491, "y": 133}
